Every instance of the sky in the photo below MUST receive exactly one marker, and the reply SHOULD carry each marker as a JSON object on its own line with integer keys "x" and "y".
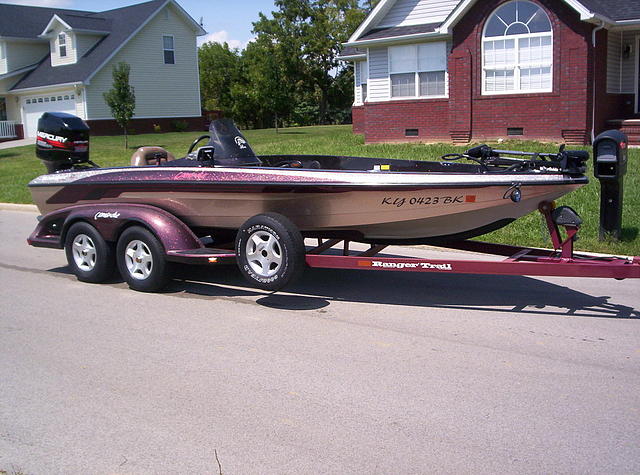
{"x": 224, "y": 20}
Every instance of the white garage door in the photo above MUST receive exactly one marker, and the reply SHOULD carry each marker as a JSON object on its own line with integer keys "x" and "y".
{"x": 35, "y": 106}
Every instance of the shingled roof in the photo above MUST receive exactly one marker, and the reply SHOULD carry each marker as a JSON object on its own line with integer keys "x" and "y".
{"x": 29, "y": 22}
{"x": 613, "y": 12}
{"x": 617, "y": 10}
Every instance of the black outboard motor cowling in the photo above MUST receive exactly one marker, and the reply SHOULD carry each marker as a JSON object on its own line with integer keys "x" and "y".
{"x": 62, "y": 141}
{"x": 230, "y": 146}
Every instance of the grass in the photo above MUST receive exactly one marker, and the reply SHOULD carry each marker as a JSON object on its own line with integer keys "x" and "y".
{"x": 18, "y": 166}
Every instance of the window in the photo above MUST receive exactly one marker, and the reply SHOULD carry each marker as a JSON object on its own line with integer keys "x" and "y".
{"x": 62, "y": 44}
{"x": 517, "y": 50}
{"x": 364, "y": 78}
{"x": 418, "y": 70}
{"x": 3, "y": 54}
{"x": 169, "y": 51}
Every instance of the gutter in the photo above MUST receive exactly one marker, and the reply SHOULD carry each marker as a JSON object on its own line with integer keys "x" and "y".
{"x": 49, "y": 86}
{"x": 395, "y": 39}
{"x": 593, "y": 101}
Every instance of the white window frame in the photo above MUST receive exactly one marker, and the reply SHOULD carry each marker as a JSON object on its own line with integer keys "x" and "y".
{"x": 173, "y": 50}
{"x": 517, "y": 66}
{"x": 62, "y": 44}
{"x": 416, "y": 70}
{"x": 364, "y": 67}
{"x": 3, "y": 50}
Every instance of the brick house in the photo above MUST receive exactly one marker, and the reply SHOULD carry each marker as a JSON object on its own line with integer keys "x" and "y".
{"x": 460, "y": 71}
{"x": 53, "y": 59}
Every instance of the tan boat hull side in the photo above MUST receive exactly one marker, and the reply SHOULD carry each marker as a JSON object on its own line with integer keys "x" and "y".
{"x": 377, "y": 214}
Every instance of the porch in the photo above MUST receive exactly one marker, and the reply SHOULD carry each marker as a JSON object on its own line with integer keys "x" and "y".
{"x": 8, "y": 130}
{"x": 630, "y": 127}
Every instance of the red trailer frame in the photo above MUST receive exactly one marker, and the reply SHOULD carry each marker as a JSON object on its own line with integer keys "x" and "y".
{"x": 562, "y": 261}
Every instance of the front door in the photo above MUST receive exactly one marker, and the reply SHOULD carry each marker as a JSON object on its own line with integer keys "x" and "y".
{"x": 3, "y": 108}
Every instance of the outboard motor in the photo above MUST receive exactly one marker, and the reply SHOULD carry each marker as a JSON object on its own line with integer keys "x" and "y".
{"x": 62, "y": 141}
{"x": 230, "y": 146}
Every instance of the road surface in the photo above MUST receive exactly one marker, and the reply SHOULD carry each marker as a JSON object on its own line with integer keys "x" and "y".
{"x": 348, "y": 372}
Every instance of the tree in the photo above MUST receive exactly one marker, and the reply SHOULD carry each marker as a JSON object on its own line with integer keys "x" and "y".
{"x": 121, "y": 98}
{"x": 310, "y": 34}
{"x": 219, "y": 71}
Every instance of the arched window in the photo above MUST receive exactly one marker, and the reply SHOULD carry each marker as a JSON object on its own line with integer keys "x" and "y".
{"x": 517, "y": 50}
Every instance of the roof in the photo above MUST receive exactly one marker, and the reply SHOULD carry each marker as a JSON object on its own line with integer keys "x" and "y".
{"x": 13, "y": 24}
{"x": 612, "y": 12}
{"x": 349, "y": 52}
{"x": 617, "y": 10}
{"x": 120, "y": 24}
{"x": 394, "y": 32}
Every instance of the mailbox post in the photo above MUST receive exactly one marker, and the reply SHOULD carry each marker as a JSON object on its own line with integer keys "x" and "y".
{"x": 610, "y": 166}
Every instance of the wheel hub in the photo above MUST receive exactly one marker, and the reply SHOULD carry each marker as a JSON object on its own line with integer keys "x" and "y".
{"x": 138, "y": 259}
{"x": 264, "y": 253}
{"x": 84, "y": 252}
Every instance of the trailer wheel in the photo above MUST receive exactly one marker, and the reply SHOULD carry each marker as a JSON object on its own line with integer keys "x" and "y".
{"x": 141, "y": 260}
{"x": 270, "y": 251}
{"x": 89, "y": 256}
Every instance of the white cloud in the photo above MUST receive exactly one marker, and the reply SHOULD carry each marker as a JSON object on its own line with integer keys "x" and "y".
{"x": 42, "y": 3}
{"x": 221, "y": 37}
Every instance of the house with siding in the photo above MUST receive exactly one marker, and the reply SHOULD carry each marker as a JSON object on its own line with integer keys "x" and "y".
{"x": 478, "y": 70}
{"x": 62, "y": 60}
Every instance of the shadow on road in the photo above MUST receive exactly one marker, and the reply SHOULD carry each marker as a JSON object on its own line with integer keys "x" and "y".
{"x": 318, "y": 287}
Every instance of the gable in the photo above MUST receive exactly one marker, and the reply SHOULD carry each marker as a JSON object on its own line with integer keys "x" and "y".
{"x": 417, "y": 12}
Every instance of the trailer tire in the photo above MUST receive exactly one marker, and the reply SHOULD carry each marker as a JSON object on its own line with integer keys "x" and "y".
{"x": 270, "y": 251}
{"x": 89, "y": 256}
{"x": 141, "y": 260}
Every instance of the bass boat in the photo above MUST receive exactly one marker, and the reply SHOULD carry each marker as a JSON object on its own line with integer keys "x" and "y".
{"x": 215, "y": 188}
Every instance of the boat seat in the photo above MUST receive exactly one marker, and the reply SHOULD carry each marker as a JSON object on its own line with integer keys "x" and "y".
{"x": 146, "y": 156}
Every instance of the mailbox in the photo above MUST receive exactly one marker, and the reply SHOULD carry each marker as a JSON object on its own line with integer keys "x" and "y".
{"x": 610, "y": 165}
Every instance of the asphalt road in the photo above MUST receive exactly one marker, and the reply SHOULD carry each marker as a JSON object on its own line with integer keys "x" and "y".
{"x": 350, "y": 372}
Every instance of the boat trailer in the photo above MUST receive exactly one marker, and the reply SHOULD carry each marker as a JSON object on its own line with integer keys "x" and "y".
{"x": 562, "y": 261}
{"x": 148, "y": 236}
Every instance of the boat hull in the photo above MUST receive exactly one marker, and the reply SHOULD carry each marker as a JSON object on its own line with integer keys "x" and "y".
{"x": 383, "y": 206}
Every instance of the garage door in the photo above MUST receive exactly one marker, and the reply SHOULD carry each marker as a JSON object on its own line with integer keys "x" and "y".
{"x": 35, "y": 106}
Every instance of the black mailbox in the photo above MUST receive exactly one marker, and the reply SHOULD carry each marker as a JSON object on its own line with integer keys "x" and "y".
{"x": 610, "y": 161}
{"x": 610, "y": 155}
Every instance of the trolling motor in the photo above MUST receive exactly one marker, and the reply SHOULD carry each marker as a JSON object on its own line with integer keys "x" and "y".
{"x": 572, "y": 162}
{"x": 62, "y": 141}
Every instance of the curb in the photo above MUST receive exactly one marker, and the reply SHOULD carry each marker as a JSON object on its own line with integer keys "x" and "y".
{"x": 17, "y": 207}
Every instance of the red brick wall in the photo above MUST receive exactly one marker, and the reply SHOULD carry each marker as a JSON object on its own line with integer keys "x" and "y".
{"x": 144, "y": 126}
{"x": 357, "y": 119}
{"x": 563, "y": 114}
{"x": 566, "y": 110}
{"x": 388, "y": 121}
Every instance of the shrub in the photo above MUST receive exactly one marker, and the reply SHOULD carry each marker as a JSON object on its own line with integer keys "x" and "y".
{"x": 180, "y": 125}
{"x": 156, "y": 128}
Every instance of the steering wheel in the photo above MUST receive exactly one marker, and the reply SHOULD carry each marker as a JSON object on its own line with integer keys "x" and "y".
{"x": 195, "y": 142}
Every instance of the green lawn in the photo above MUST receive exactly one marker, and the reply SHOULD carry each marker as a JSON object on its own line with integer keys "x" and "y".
{"x": 19, "y": 165}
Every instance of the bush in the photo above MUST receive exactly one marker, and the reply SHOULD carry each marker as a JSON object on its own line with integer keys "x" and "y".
{"x": 156, "y": 128}
{"x": 180, "y": 125}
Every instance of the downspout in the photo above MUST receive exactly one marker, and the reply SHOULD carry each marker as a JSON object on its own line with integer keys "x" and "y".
{"x": 593, "y": 104}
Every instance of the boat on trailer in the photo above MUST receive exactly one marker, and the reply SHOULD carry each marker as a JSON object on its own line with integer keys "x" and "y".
{"x": 161, "y": 209}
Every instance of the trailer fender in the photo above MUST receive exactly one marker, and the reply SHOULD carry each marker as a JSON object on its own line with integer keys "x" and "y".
{"x": 110, "y": 220}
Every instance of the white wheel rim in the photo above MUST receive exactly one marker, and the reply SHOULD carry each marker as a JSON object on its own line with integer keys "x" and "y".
{"x": 138, "y": 258}
{"x": 84, "y": 252}
{"x": 264, "y": 253}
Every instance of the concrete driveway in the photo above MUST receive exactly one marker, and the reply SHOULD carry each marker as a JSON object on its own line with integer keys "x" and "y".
{"x": 348, "y": 372}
